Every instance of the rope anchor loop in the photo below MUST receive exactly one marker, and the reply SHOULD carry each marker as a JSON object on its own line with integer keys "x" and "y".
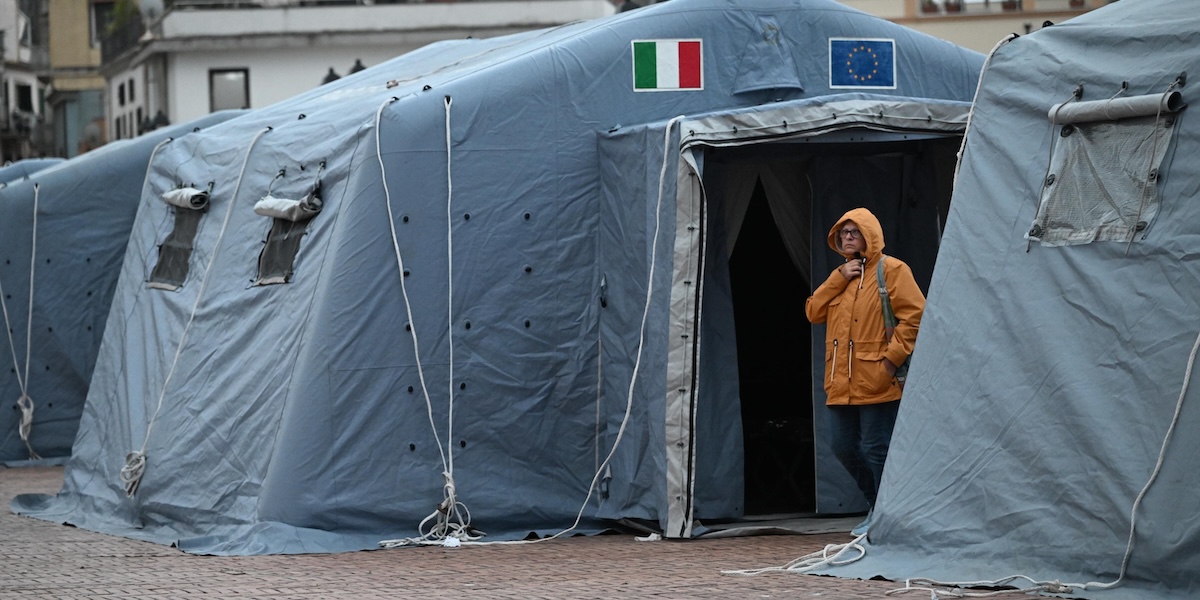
{"x": 26, "y": 405}
{"x": 131, "y": 473}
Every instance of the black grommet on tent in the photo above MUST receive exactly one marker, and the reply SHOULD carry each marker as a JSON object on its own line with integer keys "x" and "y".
{"x": 528, "y": 269}
{"x": 410, "y": 389}
{"x": 407, "y": 272}
{"x": 462, "y": 443}
{"x": 462, "y": 386}
{"x": 528, "y": 216}
{"x": 466, "y": 216}
{"x": 412, "y": 447}
{"x": 404, "y": 218}
{"x": 527, "y": 323}
{"x": 467, "y": 325}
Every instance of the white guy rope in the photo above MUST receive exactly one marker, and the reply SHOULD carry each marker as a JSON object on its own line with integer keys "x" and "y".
{"x": 25, "y": 402}
{"x": 971, "y": 112}
{"x": 426, "y": 539}
{"x": 832, "y": 555}
{"x": 633, "y": 378}
{"x": 135, "y": 461}
{"x": 451, "y": 518}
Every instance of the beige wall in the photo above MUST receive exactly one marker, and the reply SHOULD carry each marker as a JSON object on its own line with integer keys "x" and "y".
{"x": 980, "y": 25}
{"x": 67, "y": 83}
{"x": 70, "y": 36}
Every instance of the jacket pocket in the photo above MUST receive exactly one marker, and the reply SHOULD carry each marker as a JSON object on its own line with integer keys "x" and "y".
{"x": 871, "y": 377}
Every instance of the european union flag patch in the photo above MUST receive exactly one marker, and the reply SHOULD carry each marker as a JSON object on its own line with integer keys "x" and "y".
{"x": 867, "y": 63}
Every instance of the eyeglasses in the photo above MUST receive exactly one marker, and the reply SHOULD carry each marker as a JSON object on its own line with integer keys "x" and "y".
{"x": 853, "y": 234}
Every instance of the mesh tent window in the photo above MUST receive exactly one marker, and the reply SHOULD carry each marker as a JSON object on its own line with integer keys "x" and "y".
{"x": 1102, "y": 184}
{"x": 175, "y": 252}
{"x": 289, "y": 224}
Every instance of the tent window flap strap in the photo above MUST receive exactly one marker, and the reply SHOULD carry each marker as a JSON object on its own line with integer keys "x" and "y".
{"x": 1106, "y": 159}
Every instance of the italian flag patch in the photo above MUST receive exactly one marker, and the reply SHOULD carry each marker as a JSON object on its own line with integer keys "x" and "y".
{"x": 666, "y": 65}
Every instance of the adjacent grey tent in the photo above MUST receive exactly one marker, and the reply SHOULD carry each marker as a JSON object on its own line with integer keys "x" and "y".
{"x": 58, "y": 269}
{"x": 465, "y": 276}
{"x": 22, "y": 169}
{"x": 1046, "y": 431}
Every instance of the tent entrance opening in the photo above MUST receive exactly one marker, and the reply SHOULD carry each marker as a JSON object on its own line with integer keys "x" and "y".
{"x": 769, "y": 208}
{"x": 773, "y": 357}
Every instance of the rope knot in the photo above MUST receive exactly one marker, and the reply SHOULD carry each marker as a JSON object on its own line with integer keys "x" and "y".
{"x": 26, "y": 405}
{"x": 131, "y": 473}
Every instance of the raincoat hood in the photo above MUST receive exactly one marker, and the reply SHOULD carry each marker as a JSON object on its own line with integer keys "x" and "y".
{"x": 871, "y": 230}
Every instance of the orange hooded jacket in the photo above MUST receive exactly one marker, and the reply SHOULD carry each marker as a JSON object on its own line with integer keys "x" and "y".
{"x": 855, "y": 341}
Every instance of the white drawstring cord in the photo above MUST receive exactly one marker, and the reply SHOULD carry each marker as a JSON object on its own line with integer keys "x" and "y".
{"x": 135, "y": 461}
{"x": 451, "y": 519}
{"x": 632, "y": 381}
{"x": 831, "y": 555}
{"x": 25, "y": 402}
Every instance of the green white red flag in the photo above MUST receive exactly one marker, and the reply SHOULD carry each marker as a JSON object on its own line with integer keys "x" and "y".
{"x": 666, "y": 65}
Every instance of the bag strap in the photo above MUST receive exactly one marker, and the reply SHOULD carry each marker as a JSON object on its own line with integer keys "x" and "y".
{"x": 889, "y": 317}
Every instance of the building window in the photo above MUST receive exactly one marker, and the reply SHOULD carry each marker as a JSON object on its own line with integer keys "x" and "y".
{"x": 1105, "y": 165}
{"x": 228, "y": 89}
{"x": 101, "y": 17}
{"x": 24, "y": 98}
{"x": 121, "y": 95}
{"x": 174, "y": 254}
{"x": 131, "y": 95}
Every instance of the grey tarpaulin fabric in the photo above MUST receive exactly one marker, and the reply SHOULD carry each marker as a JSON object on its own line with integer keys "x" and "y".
{"x": 294, "y": 417}
{"x": 86, "y": 207}
{"x": 1046, "y": 379}
{"x": 24, "y": 168}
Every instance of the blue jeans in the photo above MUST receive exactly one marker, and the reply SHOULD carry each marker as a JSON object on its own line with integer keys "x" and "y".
{"x": 861, "y": 437}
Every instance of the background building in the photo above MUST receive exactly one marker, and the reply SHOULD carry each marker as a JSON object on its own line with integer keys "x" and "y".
{"x": 975, "y": 24}
{"x": 193, "y": 57}
{"x": 76, "y": 74}
{"x": 22, "y": 94}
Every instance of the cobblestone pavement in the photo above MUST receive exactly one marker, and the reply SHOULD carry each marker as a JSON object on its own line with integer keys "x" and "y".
{"x": 43, "y": 560}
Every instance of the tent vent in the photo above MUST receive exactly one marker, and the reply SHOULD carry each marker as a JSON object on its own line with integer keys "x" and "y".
{"x": 175, "y": 252}
{"x": 289, "y": 223}
{"x": 1105, "y": 166}
{"x": 767, "y": 62}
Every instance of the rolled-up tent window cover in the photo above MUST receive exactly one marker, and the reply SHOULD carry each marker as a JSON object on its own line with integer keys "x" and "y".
{"x": 186, "y": 197}
{"x": 287, "y": 209}
{"x": 1116, "y": 108}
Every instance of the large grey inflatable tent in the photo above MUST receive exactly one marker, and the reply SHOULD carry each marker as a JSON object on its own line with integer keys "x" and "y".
{"x": 85, "y": 210}
{"x": 462, "y": 277}
{"x": 1047, "y": 429}
{"x": 22, "y": 169}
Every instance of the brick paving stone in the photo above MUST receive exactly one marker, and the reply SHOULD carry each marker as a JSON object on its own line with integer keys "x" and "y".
{"x": 46, "y": 561}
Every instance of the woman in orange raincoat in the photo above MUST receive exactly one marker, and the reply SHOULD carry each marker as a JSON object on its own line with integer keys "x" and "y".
{"x": 861, "y": 388}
